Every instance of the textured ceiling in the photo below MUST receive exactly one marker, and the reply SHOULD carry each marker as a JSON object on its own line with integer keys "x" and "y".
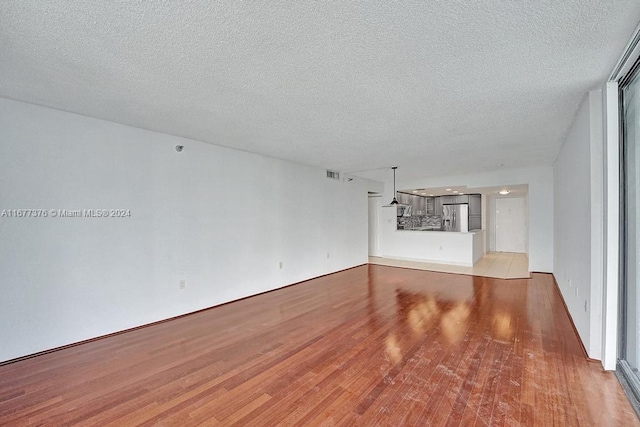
{"x": 435, "y": 87}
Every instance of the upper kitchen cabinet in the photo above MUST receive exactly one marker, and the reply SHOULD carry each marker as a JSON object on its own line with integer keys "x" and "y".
{"x": 475, "y": 212}
{"x": 461, "y": 199}
{"x": 452, "y": 200}
{"x": 447, "y": 200}
{"x": 430, "y": 205}
{"x": 403, "y": 199}
{"x": 438, "y": 205}
{"x": 475, "y": 204}
{"x": 419, "y": 205}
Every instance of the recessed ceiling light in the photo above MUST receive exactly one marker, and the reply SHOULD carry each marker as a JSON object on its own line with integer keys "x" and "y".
{"x": 415, "y": 191}
{"x": 448, "y": 189}
{"x": 455, "y": 191}
{"x": 430, "y": 195}
{"x": 424, "y": 194}
{"x": 462, "y": 194}
{"x": 504, "y": 192}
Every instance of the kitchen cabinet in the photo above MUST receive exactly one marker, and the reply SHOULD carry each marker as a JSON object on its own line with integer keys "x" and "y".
{"x": 403, "y": 199}
{"x": 415, "y": 205}
{"x": 419, "y": 205}
{"x": 475, "y": 212}
{"x": 422, "y": 205}
{"x": 461, "y": 199}
{"x": 438, "y": 206}
{"x": 475, "y": 204}
{"x": 475, "y": 222}
{"x": 430, "y": 207}
{"x": 447, "y": 200}
{"x": 452, "y": 200}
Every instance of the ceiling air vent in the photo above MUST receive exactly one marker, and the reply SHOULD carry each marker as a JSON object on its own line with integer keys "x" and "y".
{"x": 333, "y": 175}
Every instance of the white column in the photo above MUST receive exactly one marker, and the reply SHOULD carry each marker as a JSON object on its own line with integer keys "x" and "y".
{"x": 612, "y": 226}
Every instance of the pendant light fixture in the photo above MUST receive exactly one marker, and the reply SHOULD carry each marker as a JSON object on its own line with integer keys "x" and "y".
{"x": 394, "y": 202}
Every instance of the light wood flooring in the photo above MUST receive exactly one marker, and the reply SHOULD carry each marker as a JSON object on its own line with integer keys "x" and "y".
{"x": 369, "y": 346}
{"x": 499, "y": 265}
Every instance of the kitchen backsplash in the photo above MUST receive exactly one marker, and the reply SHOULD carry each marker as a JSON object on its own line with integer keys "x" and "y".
{"x": 415, "y": 221}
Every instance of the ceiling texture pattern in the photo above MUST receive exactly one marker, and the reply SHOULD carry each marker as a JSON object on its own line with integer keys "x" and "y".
{"x": 434, "y": 87}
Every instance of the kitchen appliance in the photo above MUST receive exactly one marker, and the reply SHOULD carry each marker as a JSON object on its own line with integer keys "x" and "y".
{"x": 403, "y": 210}
{"x": 455, "y": 217}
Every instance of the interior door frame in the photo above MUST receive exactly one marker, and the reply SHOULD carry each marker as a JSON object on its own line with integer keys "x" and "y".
{"x": 375, "y": 198}
{"x": 494, "y": 221}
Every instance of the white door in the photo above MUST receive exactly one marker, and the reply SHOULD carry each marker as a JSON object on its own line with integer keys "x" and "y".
{"x": 374, "y": 206}
{"x": 511, "y": 225}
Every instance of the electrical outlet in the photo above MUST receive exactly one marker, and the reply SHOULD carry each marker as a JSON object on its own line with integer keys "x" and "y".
{"x": 280, "y": 265}
{"x": 327, "y": 255}
{"x": 569, "y": 283}
{"x": 585, "y": 306}
{"x": 182, "y": 284}
{"x": 576, "y": 291}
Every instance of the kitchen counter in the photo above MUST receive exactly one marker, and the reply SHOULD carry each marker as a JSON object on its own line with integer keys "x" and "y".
{"x": 439, "y": 230}
{"x": 422, "y": 229}
{"x": 444, "y": 247}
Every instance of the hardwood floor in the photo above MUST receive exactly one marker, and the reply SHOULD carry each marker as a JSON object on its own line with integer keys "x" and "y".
{"x": 373, "y": 345}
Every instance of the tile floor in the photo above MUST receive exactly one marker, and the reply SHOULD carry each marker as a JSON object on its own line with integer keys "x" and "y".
{"x": 500, "y": 265}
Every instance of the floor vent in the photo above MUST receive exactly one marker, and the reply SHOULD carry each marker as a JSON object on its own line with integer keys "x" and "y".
{"x": 333, "y": 175}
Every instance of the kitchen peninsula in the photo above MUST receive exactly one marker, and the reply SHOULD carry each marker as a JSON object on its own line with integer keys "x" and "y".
{"x": 442, "y": 247}
{"x": 423, "y": 235}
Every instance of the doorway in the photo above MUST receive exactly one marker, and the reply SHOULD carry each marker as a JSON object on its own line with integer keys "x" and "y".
{"x": 511, "y": 225}
{"x": 374, "y": 208}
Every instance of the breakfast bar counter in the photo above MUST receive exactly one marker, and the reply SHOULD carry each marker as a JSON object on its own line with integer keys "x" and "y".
{"x": 443, "y": 247}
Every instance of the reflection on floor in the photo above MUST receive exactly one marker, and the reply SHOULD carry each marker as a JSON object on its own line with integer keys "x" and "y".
{"x": 500, "y": 265}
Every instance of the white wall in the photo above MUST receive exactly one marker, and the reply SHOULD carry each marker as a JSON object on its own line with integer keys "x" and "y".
{"x": 220, "y": 219}
{"x": 540, "y": 203}
{"x": 578, "y": 171}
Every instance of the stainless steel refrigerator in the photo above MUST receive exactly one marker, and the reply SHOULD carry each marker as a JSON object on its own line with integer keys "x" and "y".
{"x": 455, "y": 217}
